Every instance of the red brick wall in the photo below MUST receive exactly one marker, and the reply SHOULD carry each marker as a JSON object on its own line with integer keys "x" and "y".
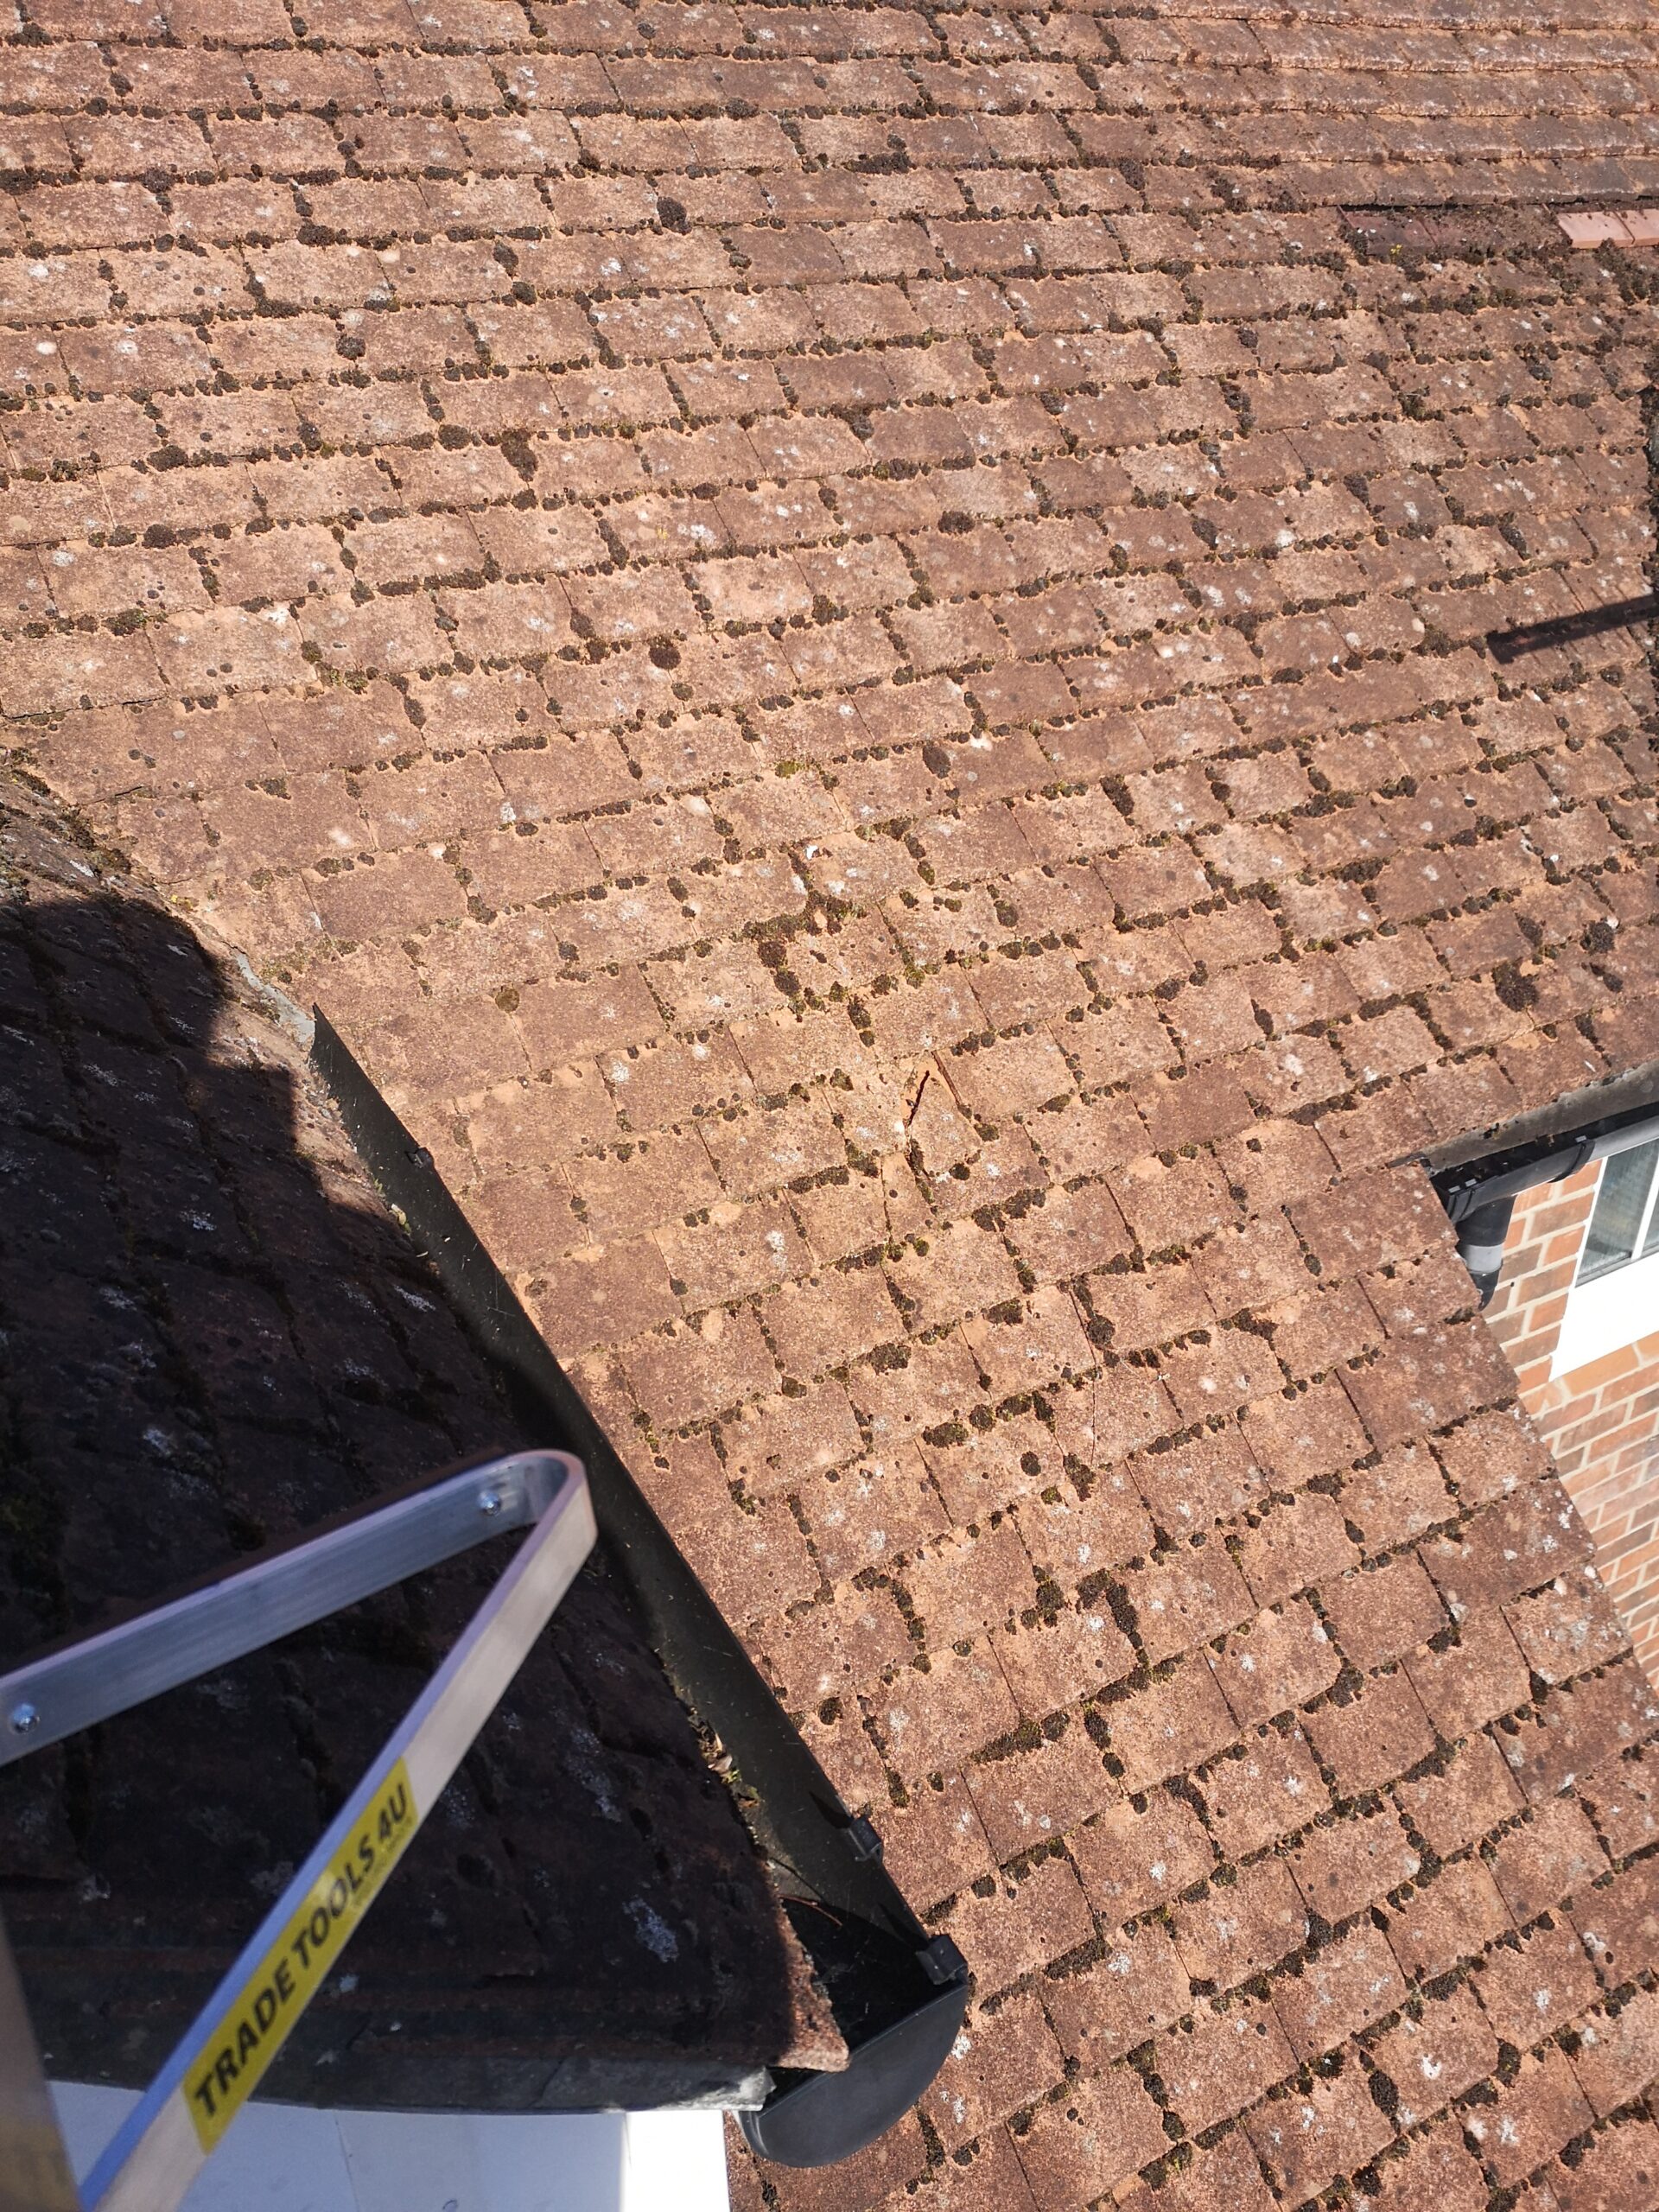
{"x": 1600, "y": 1421}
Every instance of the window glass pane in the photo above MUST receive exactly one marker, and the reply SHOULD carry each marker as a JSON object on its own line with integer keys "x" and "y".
{"x": 1620, "y": 1202}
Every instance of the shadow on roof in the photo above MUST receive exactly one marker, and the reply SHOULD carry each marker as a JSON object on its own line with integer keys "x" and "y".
{"x": 212, "y": 1332}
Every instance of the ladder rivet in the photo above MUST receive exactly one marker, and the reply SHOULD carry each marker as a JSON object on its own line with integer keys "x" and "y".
{"x": 23, "y": 1720}
{"x": 489, "y": 1501}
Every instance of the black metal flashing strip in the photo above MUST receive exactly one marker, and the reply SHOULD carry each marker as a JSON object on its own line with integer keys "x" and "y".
{"x": 1568, "y": 629}
{"x": 898, "y": 1993}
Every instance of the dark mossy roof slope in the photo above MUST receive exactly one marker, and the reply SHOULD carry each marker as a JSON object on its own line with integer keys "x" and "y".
{"x": 212, "y": 1334}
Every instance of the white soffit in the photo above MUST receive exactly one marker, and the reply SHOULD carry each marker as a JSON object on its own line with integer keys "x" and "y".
{"x": 286, "y": 2158}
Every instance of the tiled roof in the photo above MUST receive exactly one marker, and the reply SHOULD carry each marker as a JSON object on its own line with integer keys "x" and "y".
{"x": 212, "y": 1335}
{"x": 848, "y": 645}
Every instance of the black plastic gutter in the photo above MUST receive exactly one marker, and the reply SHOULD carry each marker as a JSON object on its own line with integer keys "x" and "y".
{"x": 898, "y": 1993}
{"x": 1479, "y": 1195}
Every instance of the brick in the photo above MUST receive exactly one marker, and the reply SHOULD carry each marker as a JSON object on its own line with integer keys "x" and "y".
{"x": 1305, "y": 2139}
{"x": 1530, "y": 2119}
{"x": 1136, "y": 1989}
{"x": 1169, "y": 1727}
{"x": 1466, "y": 1800}
{"x": 1531, "y": 1991}
{"x": 1100, "y": 2131}
{"x": 1137, "y": 1856}
{"x": 1340, "y": 1990}
{"x": 1380, "y": 1614}
{"x": 1237, "y": 1928}
{"x": 1281, "y": 1658}
{"x": 1617, "y": 2168}
{"x": 1341, "y": 1866}
{"x": 1450, "y": 1918}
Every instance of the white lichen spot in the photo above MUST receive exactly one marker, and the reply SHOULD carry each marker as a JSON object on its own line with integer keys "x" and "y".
{"x": 652, "y": 1930}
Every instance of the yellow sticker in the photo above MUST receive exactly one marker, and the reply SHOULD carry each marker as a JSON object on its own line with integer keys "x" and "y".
{"x": 234, "y": 2057}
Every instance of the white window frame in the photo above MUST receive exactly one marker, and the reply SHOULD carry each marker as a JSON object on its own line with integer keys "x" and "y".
{"x": 1615, "y": 1309}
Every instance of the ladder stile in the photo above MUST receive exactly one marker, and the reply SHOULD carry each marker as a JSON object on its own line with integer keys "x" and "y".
{"x": 164, "y": 2142}
{"x": 34, "y": 2174}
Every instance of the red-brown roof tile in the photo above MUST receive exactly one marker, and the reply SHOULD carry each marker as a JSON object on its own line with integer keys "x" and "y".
{"x": 849, "y": 646}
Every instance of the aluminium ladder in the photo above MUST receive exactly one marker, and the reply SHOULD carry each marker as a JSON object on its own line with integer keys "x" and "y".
{"x": 168, "y": 2137}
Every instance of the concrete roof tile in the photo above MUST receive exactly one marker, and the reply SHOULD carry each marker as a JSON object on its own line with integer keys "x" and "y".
{"x": 1315, "y": 444}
